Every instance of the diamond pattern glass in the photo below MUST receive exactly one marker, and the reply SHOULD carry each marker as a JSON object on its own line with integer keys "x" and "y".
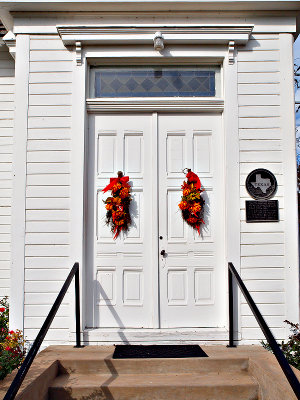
{"x": 154, "y": 81}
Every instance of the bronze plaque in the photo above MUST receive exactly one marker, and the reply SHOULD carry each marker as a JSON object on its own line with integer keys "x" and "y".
{"x": 261, "y": 184}
{"x": 262, "y": 211}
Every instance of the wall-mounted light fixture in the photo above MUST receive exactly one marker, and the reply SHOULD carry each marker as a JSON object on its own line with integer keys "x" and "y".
{"x": 158, "y": 41}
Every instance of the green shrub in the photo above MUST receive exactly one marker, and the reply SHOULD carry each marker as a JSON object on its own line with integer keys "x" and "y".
{"x": 291, "y": 349}
{"x": 12, "y": 349}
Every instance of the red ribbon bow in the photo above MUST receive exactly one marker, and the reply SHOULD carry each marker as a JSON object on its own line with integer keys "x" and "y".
{"x": 113, "y": 181}
{"x": 193, "y": 178}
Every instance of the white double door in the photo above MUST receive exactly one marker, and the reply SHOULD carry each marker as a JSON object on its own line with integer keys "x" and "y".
{"x": 130, "y": 284}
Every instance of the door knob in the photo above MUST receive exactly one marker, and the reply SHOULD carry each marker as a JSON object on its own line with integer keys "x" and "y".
{"x": 163, "y": 252}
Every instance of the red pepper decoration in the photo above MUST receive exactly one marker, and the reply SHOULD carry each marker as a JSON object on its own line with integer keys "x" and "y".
{"x": 117, "y": 205}
{"x": 192, "y": 204}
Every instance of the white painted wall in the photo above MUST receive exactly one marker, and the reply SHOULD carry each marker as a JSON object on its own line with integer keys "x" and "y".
{"x": 7, "y": 80}
{"x": 263, "y": 132}
{"x": 47, "y": 238}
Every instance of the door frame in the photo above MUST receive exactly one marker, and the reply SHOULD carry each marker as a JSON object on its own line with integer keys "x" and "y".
{"x": 82, "y": 106}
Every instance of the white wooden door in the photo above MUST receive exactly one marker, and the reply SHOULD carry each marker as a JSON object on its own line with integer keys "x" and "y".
{"x": 133, "y": 285}
{"x": 122, "y": 272}
{"x": 192, "y": 272}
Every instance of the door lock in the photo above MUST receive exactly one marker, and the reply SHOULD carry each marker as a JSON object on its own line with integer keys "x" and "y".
{"x": 163, "y": 252}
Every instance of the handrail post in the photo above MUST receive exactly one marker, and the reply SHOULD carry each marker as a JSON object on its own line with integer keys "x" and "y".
{"x": 77, "y": 306}
{"x": 231, "y": 315}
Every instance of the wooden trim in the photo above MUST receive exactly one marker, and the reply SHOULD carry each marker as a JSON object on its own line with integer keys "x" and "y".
{"x": 17, "y": 283}
{"x": 289, "y": 177}
{"x": 77, "y": 213}
{"x": 144, "y": 33}
{"x": 232, "y": 174}
{"x": 153, "y": 105}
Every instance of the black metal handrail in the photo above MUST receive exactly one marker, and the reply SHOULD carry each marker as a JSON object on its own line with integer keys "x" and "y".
{"x": 285, "y": 366}
{"x": 17, "y": 382}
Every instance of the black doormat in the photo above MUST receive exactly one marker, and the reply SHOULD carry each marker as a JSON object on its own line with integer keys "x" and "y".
{"x": 158, "y": 351}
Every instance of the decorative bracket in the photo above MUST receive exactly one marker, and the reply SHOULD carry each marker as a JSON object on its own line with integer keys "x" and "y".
{"x": 78, "y": 50}
{"x": 231, "y": 45}
{"x": 10, "y": 40}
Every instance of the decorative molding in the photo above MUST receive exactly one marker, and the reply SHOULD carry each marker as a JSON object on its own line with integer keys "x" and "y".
{"x": 231, "y": 45}
{"x": 146, "y": 104}
{"x": 158, "y": 41}
{"x": 78, "y": 50}
{"x": 10, "y": 40}
{"x": 144, "y": 33}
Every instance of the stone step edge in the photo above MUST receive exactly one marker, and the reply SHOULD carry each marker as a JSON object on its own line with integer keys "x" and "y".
{"x": 209, "y": 379}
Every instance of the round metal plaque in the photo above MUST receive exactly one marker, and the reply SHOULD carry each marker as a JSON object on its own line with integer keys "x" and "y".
{"x": 261, "y": 184}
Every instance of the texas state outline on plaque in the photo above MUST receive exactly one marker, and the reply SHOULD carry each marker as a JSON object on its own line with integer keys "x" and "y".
{"x": 262, "y": 183}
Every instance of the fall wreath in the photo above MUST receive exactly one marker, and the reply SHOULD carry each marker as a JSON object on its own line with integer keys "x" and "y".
{"x": 192, "y": 204}
{"x": 117, "y": 205}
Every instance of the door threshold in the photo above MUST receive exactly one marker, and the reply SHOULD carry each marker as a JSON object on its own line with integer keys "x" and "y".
{"x": 153, "y": 336}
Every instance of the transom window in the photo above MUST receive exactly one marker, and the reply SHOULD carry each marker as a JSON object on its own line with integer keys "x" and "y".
{"x": 155, "y": 81}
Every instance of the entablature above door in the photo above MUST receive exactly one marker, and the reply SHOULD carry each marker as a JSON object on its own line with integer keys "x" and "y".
{"x": 145, "y": 33}
{"x": 159, "y": 35}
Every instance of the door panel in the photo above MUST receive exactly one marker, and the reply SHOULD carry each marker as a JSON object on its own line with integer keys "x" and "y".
{"x": 192, "y": 271}
{"x": 123, "y": 293}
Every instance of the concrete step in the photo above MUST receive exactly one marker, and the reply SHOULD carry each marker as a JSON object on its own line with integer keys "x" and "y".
{"x": 89, "y": 363}
{"x": 191, "y": 386}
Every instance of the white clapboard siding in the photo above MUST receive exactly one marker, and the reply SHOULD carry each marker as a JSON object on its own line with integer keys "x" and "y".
{"x": 261, "y": 297}
{"x": 48, "y": 168}
{"x": 274, "y": 321}
{"x": 59, "y": 322}
{"x": 48, "y": 100}
{"x": 47, "y": 215}
{"x": 46, "y": 145}
{"x": 51, "y": 111}
{"x": 260, "y": 145}
{"x": 42, "y": 191}
{"x": 260, "y": 134}
{"x": 259, "y": 111}
{"x": 50, "y": 66}
{"x": 257, "y": 66}
{"x": 49, "y": 133}
{"x": 53, "y": 336}
{"x": 260, "y": 156}
{"x": 47, "y": 239}
{"x": 262, "y": 273}
{"x": 258, "y": 100}
{"x": 276, "y": 167}
{"x": 252, "y": 77}
{"x": 7, "y": 80}
{"x": 265, "y": 309}
{"x": 262, "y": 245}
{"x": 52, "y": 263}
{"x": 48, "y": 204}
{"x": 48, "y": 77}
{"x": 42, "y": 309}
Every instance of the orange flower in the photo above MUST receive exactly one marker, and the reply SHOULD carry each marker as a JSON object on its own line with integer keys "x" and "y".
{"x": 109, "y": 206}
{"x": 124, "y": 193}
{"x": 183, "y": 205}
{"x": 116, "y": 187}
{"x": 195, "y": 208}
{"x": 192, "y": 220}
{"x": 186, "y": 192}
{"x": 117, "y": 200}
